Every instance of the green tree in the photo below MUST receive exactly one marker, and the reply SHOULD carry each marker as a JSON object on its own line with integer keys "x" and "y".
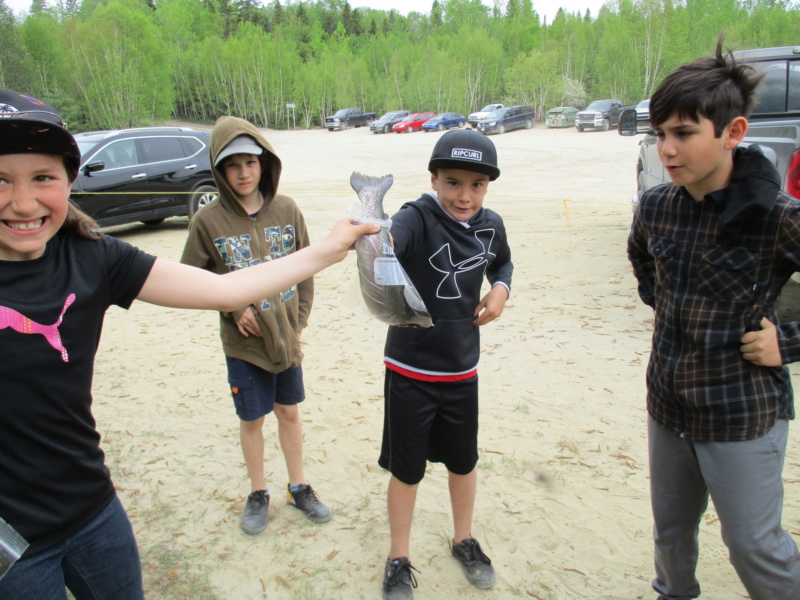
{"x": 118, "y": 71}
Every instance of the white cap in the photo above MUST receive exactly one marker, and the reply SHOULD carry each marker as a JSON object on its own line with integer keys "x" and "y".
{"x": 241, "y": 144}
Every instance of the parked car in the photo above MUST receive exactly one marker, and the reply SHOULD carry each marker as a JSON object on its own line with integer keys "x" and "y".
{"x": 145, "y": 174}
{"x": 348, "y": 117}
{"x": 384, "y": 124}
{"x": 412, "y": 122}
{"x": 473, "y": 118}
{"x": 444, "y": 121}
{"x": 600, "y": 114}
{"x": 506, "y": 119}
{"x": 561, "y": 116}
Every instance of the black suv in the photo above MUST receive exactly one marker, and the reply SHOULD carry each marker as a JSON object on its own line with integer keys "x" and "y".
{"x": 506, "y": 119}
{"x": 145, "y": 174}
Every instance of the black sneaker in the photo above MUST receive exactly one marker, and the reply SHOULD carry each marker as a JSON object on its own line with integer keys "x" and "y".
{"x": 477, "y": 566}
{"x": 306, "y": 500}
{"x": 398, "y": 580}
{"x": 254, "y": 517}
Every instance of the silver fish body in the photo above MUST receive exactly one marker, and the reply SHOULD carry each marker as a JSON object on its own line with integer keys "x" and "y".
{"x": 385, "y": 288}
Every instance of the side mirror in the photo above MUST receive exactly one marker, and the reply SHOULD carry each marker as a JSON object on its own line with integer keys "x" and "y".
{"x": 627, "y": 122}
{"x": 93, "y": 167}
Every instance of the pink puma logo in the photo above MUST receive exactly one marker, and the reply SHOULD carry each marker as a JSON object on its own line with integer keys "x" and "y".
{"x": 19, "y": 322}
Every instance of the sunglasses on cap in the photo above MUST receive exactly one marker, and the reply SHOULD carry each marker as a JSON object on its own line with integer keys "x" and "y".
{"x": 34, "y": 115}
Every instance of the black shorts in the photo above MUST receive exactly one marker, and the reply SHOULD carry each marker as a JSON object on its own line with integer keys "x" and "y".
{"x": 428, "y": 421}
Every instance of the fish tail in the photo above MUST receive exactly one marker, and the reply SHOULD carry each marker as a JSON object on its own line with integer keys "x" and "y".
{"x": 359, "y": 182}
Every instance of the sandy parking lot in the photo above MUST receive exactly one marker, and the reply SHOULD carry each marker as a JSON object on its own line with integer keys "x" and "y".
{"x": 562, "y": 507}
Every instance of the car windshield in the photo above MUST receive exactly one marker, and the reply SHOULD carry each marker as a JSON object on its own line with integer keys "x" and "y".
{"x": 496, "y": 114}
{"x": 86, "y": 147}
{"x": 643, "y": 104}
{"x": 391, "y": 115}
{"x": 488, "y": 108}
{"x": 341, "y": 113}
{"x": 410, "y": 118}
{"x": 599, "y": 105}
{"x": 441, "y": 116}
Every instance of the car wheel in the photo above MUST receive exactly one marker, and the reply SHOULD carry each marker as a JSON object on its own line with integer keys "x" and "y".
{"x": 606, "y": 125}
{"x": 440, "y": 127}
{"x": 528, "y": 123}
{"x": 203, "y": 195}
{"x": 501, "y": 128}
{"x": 580, "y": 128}
{"x": 153, "y": 221}
{"x": 386, "y": 129}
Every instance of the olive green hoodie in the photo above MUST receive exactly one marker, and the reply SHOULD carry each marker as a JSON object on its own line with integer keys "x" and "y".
{"x": 223, "y": 237}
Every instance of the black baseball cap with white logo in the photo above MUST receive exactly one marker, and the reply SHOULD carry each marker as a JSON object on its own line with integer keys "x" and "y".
{"x": 465, "y": 149}
{"x": 30, "y": 126}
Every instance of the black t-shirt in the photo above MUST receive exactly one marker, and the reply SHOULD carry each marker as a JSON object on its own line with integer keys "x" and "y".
{"x": 53, "y": 479}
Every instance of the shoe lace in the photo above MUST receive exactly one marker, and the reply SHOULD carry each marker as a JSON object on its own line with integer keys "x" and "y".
{"x": 306, "y": 495}
{"x": 402, "y": 574}
{"x": 473, "y": 551}
{"x": 254, "y": 501}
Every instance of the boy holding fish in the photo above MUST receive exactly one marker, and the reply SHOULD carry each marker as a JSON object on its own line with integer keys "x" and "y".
{"x": 248, "y": 224}
{"x": 446, "y": 242}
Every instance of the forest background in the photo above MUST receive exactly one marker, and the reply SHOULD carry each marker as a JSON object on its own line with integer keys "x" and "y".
{"x": 122, "y": 63}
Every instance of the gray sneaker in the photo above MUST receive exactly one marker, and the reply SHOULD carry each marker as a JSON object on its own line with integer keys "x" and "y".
{"x": 477, "y": 566}
{"x": 306, "y": 500}
{"x": 398, "y": 580}
{"x": 254, "y": 517}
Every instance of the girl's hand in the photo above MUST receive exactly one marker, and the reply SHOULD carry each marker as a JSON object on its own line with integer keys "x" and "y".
{"x": 343, "y": 236}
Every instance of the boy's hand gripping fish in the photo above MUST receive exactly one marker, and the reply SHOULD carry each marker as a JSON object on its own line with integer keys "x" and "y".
{"x": 386, "y": 290}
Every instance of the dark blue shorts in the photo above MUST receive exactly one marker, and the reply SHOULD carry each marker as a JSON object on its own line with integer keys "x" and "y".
{"x": 429, "y": 421}
{"x": 255, "y": 390}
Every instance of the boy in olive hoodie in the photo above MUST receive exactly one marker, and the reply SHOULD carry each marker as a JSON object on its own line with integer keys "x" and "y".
{"x": 247, "y": 224}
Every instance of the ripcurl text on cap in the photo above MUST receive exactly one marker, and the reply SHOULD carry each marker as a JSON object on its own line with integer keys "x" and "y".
{"x": 30, "y": 126}
{"x": 241, "y": 144}
{"x": 465, "y": 149}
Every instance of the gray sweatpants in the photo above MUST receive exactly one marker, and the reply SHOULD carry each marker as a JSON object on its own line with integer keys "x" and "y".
{"x": 744, "y": 482}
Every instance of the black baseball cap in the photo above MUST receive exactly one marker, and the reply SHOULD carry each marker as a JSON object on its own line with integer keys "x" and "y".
{"x": 465, "y": 149}
{"x": 30, "y": 126}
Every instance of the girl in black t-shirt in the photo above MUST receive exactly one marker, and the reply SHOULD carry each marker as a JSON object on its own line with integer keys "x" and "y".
{"x": 58, "y": 276}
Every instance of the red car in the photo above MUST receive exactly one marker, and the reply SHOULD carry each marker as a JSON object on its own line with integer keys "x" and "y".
{"x": 412, "y": 122}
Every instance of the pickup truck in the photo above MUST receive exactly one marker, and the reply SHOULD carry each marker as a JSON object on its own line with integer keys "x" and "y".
{"x": 600, "y": 114}
{"x": 348, "y": 117}
{"x": 473, "y": 118}
{"x": 774, "y": 125}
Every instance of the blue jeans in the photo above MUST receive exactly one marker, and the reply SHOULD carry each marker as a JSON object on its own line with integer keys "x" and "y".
{"x": 98, "y": 562}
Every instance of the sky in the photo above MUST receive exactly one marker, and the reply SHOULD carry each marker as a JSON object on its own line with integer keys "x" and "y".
{"x": 545, "y": 8}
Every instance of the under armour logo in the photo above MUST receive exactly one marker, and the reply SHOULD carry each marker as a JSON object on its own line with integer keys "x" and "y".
{"x": 442, "y": 261}
{"x": 19, "y": 322}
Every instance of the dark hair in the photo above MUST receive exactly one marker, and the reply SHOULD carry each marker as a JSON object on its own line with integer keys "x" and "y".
{"x": 714, "y": 87}
{"x": 76, "y": 219}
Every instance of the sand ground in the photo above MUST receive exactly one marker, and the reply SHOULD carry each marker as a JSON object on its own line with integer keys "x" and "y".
{"x": 563, "y": 504}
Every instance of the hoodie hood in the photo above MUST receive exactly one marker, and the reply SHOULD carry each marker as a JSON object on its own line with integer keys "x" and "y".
{"x": 225, "y": 130}
{"x": 751, "y": 193}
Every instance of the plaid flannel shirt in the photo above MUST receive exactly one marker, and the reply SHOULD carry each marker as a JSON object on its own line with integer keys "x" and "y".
{"x": 707, "y": 289}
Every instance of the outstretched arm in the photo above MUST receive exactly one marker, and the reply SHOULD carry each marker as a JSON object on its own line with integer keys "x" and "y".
{"x": 181, "y": 286}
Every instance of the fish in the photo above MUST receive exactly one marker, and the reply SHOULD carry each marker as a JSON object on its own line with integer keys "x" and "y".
{"x": 386, "y": 290}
